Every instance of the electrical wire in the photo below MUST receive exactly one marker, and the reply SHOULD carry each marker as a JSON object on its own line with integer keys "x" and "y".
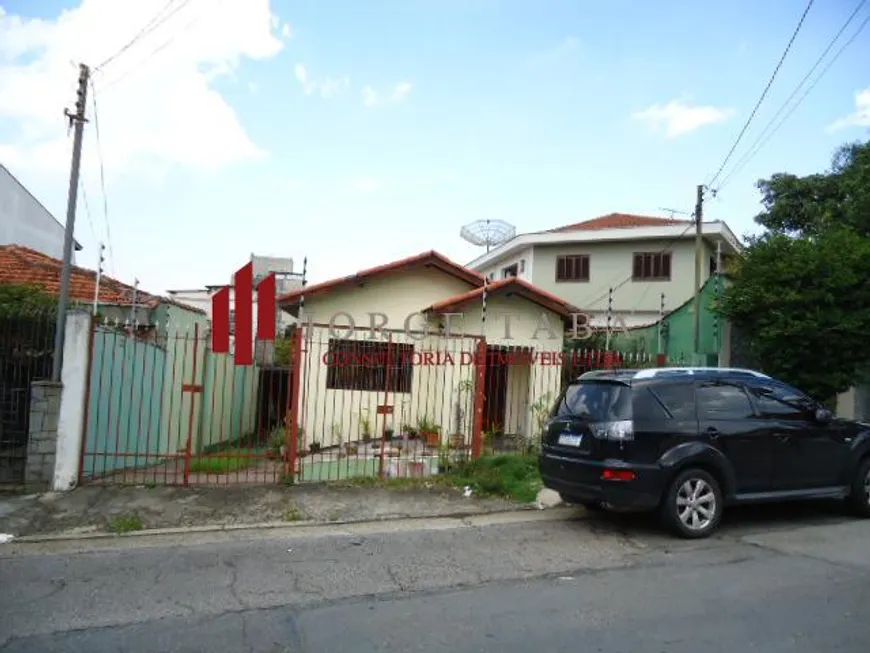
{"x": 153, "y": 24}
{"x": 87, "y": 206}
{"x": 102, "y": 176}
{"x": 156, "y": 50}
{"x": 764, "y": 137}
{"x": 763, "y": 94}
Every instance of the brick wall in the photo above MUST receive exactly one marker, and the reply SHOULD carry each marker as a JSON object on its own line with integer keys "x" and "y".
{"x": 42, "y": 444}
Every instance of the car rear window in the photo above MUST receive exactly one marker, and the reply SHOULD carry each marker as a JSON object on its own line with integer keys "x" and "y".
{"x": 595, "y": 401}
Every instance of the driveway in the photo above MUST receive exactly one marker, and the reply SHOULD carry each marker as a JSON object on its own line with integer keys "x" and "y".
{"x": 776, "y": 579}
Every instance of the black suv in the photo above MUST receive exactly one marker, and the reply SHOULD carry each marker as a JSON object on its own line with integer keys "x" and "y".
{"x": 689, "y": 441}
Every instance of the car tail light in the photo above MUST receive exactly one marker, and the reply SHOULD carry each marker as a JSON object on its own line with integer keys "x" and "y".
{"x": 621, "y": 431}
{"x": 618, "y": 475}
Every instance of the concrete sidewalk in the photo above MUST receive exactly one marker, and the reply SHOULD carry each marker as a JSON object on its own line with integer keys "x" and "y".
{"x": 90, "y": 510}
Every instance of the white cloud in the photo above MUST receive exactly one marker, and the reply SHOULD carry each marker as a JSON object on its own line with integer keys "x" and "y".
{"x": 676, "y": 118}
{"x": 156, "y": 105}
{"x": 860, "y": 117}
{"x": 327, "y": 88}
{"x": 399, "y": 93}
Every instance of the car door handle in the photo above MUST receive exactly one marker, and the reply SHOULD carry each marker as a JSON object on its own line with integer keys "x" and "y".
{"x": 713, "y": 433}
{"x": 783, "y": 437}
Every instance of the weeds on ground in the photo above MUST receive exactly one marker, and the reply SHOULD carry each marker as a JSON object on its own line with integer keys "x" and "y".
{"x": 126, "y": 524}
{"x": 219, "y": 464}
{"x": 292, "y": 514}
{"x": 508, "y": 476}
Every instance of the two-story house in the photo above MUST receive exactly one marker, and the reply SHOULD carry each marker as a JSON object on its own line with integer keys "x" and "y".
{"x": 25, "y": 221}
{"x": 633, "y": 265}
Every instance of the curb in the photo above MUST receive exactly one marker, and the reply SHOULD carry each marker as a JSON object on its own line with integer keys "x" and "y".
{"x": 271, "y": 526}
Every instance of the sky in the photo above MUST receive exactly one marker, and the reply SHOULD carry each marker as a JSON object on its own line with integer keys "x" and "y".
{"x": 357, "y": 132}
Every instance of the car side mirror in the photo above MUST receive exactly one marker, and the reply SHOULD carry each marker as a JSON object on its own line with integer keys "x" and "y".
{"x": 824, "y": 416}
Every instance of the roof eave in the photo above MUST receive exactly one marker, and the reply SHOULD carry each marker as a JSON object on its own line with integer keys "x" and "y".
{"x": 534, "y": 239}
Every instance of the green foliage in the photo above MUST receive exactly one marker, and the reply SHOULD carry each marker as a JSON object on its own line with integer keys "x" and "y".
{"x": 25, "y": 299}
{"x": 812, "y": 205}
{"x": 126, "y": 524}
{"x": 508, "y": 476}
{"x": 802, "y": 293}
{"x": 283, "y": 351}
{"x": 217, "y": 464}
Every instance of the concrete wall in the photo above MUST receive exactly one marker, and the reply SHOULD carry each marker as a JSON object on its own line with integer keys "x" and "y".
{"x": 25, "y": 221}
{"x": 610, "y": 263}
{"x": 56, "y": 415}
{"x": 524, "y": 260}
{"x": 42, "y": 443}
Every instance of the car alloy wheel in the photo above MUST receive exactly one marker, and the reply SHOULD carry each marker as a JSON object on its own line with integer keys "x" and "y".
{"x": 693, "y": 505}
{"x": 696, "y": 504}
{"x": 867, "y": 487}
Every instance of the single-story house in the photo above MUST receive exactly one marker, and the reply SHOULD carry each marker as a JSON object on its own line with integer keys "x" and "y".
{"x": 154, "y": 316}
{"x": 395, "y": 348}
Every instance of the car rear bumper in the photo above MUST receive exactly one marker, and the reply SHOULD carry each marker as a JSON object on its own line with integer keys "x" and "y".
{"x": 581, "y": 480}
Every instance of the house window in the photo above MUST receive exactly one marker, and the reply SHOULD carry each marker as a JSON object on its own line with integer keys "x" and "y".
{"x": 232, "y": 323}
{"x": 652, "y": 266}
{"x": 522, "y": 266}
{"x": 572, "y": 268}
{"x": 510, "y": 271}
{"x": 491, "y": 276}
{"x": 369, "y": 366}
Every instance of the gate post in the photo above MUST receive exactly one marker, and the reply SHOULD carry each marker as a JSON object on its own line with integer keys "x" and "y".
{"x": 291, "y": 428}
{"x": 193, "y": 388}
{"x": 479, "y": 399}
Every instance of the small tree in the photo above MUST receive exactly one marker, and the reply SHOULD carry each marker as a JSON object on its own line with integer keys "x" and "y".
{"x": 21, "y": 299}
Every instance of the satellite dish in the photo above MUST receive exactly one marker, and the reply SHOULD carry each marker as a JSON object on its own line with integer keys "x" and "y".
{"x": 488, "y": 233}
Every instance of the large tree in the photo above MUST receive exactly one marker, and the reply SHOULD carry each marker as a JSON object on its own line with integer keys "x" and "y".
{"x": 802, "y": 292}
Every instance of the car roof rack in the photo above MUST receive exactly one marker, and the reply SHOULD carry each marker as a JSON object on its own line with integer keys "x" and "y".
{"x": 697, "y": 371}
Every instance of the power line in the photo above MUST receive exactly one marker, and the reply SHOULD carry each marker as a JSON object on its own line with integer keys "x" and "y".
{"x": 157, "y": 50}
{"x": 763, "y": 93}
{"x": 759, "y": 143}
{"x": 153, "y": 24}
{"x": 102, "y": 176}
{"x": 87, "y": 206}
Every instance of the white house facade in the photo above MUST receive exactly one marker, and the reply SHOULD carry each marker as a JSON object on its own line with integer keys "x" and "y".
{"x": 25, "y": 221}
{"x": 647, "y": 262}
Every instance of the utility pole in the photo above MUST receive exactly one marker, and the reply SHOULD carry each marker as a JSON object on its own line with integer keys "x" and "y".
{"x": 699, "y": 251}
{"x": 661, "y": 323}
{"x": 134, "y": 318}
{"x": 77, "y": 121}
{"x": 99, "y": 278}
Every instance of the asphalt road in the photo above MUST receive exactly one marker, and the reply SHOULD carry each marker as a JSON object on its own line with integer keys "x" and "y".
{"x": 793, "y": 579}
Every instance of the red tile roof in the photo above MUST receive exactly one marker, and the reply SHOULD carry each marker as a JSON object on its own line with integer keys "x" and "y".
{"x": 24, "y": 266}
{"x": 430, "y": 259}
{"x": 511, "y": 284}
{"x": 620, "y": 221}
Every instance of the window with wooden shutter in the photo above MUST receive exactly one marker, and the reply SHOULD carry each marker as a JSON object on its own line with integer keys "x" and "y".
{"x": 651, "y": 266}
{"x": 573, "y": 267}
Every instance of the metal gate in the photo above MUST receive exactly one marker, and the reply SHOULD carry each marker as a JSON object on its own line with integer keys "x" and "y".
{"x": 26, "y": 354}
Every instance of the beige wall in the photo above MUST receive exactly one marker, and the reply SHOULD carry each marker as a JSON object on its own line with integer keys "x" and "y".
{"x": 609, "y": 265}
{"x": 524, "y": 260}
{"x": 440, "y": 390}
